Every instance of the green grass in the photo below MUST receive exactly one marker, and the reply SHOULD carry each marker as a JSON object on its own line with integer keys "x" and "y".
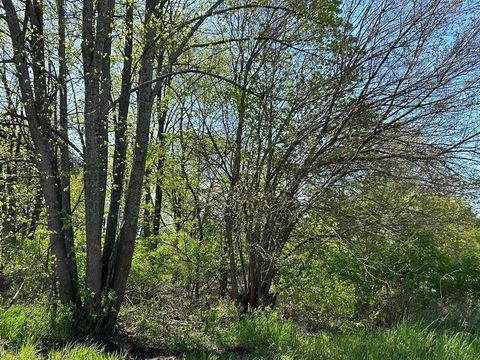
{"x": 33, "y": 323}
{"x": 30, "y": 333}
{"x": 72, "y": 352}
{"x": 78, "y": 352}
{"x": 26, "y": 329}
{"x": 266, "y": 336}
{"x": 21, "y": 325}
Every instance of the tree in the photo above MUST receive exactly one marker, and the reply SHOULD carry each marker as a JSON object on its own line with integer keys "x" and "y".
{"x": 37, "y": 103}
{"x": 331, "y": 106}
{"x": 107, "y": 270}
{"x": 267, "y": 107}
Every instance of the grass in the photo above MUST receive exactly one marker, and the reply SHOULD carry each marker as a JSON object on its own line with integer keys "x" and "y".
{"x": 28, "y": 333}
{"x": 29, "y": 351}
{"x": 32, "y": 323}
{"x": 87, "y": 352}
{"x": 266, "y": 336}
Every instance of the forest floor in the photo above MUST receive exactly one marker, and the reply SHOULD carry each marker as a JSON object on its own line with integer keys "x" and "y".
{"x": 28, "y": 333}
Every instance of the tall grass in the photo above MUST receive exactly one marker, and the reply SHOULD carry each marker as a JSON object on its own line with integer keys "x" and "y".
{"x": 20, "y": 325}
{"x": 265, "y": 336}
{"x": 33, "y": 322}
{"x": 72, "y": 352}
{"x": 82, "y": 352}
{"x": 25, "y": 329}
{"x": 29, "y": 333}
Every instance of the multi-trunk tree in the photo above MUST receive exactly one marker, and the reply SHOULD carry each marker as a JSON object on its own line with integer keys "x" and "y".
{"x": 333, "y": 99}
{"x": 106, "y": 269}
{"x": 266, "y": 106}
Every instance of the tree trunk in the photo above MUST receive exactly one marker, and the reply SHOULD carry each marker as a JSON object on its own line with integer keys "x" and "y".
{"x": 128, "y": 230}
{"x": 157, "y": 208}
{"x": 235, "y": 177}
{"x": 64, "y": 151}
{"x": 37, "y": 110}
{"x": 120, "y": 150}
{"x": 96, "y": 54}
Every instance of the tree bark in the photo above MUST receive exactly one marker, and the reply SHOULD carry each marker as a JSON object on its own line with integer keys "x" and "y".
{"x": 36, "y": 104}
{"x": 235, "y": 177}
{"x": 128, "y": 230}
{"x": 157, "y": 208}
{"x": 96, "y": 48}
{"x": 65, "y": 167}
{"x": 120, "y": 150}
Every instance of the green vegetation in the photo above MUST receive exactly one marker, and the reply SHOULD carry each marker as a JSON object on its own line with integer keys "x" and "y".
{"x": 263, "y": 335}
{"x": 407, "y": 293}
{"x": 30, "y": 332}
{"x": 239, "y": 179}
{"x": 29, "y": 351}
